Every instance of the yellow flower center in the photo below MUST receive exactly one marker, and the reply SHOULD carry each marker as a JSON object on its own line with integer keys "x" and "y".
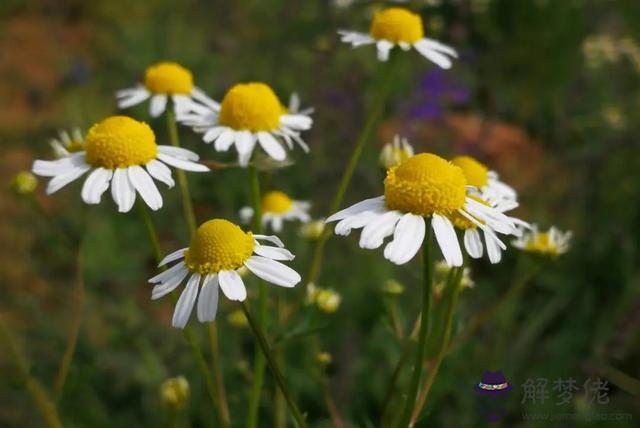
{"x": 425, "y": 184}
{"x": 462, "y": 222}
{"x": 251, "y": 106}
{"x": 476, "y": 173}
{"x": 168, "y": 78}
{"x": 218, "y": 245}
{"x": 397, "y": 25}
{"x": 541, "y": 243}
{"x": 276, "y": 202}
{"x": 120, "y": 142}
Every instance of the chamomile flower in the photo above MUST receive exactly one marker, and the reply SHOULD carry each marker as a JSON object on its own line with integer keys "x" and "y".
{"x": 67, "y": 142}
{"x": 122, "y": 153}
{"x": 396, "y": 152}
{"x": 425, "y": 190}
{"x": 164, "y": 81}
{"x": 551, "y": 243}
{"x": 250, "y": 113}
{"x": 277, "y": 208}
{"x": 473, "y": 227}
{"x": 396, "y": 26}
{"x": 218, "y": 249}
{"x": 488, "y": 182}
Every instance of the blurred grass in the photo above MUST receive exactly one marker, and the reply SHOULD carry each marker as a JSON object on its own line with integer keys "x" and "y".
{"x": 562, "y": 130}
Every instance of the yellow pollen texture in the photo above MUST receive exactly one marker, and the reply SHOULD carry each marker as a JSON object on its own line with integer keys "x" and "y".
{"x": 425, "y": 184}
{"x": 475, "y": 172}
{"x": 397, "y": 25}
{"x": 120, "y": 142}
{"x": 251, "y": 106}
{"x": 168, "y": 78}
{"x": 218, "y": 245}
{"x": 276, "y": 202}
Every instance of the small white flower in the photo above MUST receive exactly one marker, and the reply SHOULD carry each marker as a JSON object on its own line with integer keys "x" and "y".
{"x": 395, "y": 153}
{"x": 67, "y": 143}
{"x": 487, "y": 182}
{"x": 250, "y": 114}
{"x": 397, "y": 26}
{"x": 217, "y": 251}
{"x": 121, "y": 153}
{"x": 553, "y": 242}
{"x": 277, "y": 208}
{"x": 164, "y": 81}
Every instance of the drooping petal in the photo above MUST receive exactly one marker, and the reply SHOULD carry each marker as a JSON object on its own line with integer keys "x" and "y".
{"x": 178, "y": 254}
{"x": 473, "y": 243}
{"x": 407, "y": 239}
{"x": 122, "y": 191}
{"x": 178, "y": 152}
{"x": 232, "y": 285}
{"x": 160, "y": 172}
{"x": 245, "y": 142}
{"x": 208, "y": 300}
{"x": 145, "y": 186}
{"x": 158, "y": 105}
{"x": 270, "y": 238}
{"x": 182, "y": 164}
{"x": 374, "y": 232}
{"x": 59, "y": 181}
{"x": 373, "y": 204}
{"x": 273, "y": 271}
{"x": 447, "y": 240}
{"x": 95, "y": 185}
{"x": 169, "y": 283}
{"x": 432, "y": 55}
{"x": 270, "y": 145}
{"x": 186, "y": 301}
{"x": 275, "y": 253}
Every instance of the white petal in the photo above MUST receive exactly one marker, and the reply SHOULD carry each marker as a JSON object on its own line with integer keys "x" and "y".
{"x": 232, "y": 285}
{"x": 473, "y": 243}
{"x": 59, "y": 181}
{"x": 245, "y": 142}
{"x": 178, "y": 254}
{"x": 407, "y": 239}
{"x": 201, "y": 96}
{"x": 59, "y": 166}
{"x": 276, "y": 223}
{"x": 133, "y": 99}
{"x": 432, "y": 55}
{"x": 246, "y": 214}
{"x": 366, "y": 205}
{"x": 178, "y": 152}
{"x": 441, "y": 47}
{"x": 296, "y": 121}
{"x": 270, "y": 145}
{"x": 95, "y": 185}
{"x": 182, "y": 164}
{"x": 447, "y": 240}
{"x": 384, "y": 47}
{"x": 185, "y": 303}
{"x": 169, "y": 283}
{"x": 275, "y": 253}
{"x": 356, "y": 221}
{"x": 493, "y": 250}
{"x": 225, "y": 140}
{"x": 273, "y": 271}
{"x": 208, "y": 300}
{"x": 145, "y": 186}
{"x": 270, "y": 238}
{"x": 213, "y": 133}
{"x": 158, "y": 105}
{"x": 122, "y": 191}
{"x": 375, "y": 231}
{"x": 160, "y": 172}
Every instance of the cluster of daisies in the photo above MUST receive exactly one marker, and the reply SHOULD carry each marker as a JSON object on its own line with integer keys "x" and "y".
{"x": 420, "y": 191}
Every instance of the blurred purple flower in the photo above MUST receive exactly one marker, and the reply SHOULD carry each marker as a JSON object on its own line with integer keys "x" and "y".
{"x": 435, "y": 92}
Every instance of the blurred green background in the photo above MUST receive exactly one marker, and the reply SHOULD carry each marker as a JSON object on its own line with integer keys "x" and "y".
{"x": 545, "y": 92}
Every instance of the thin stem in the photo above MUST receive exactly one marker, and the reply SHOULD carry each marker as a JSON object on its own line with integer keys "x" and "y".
{"x": 187, "y": 332}
{"x": 187, "y": 206}
{"x": 46, "y": 407}
{"x": 74, "y": 328}
{"x": 217, "y": 370}
{"x": 384, "y": 86}
{"x": 424, "y": 327}
{"x": 266, "y": 350}
{"x": 259, "y": 363}
{"x": 454, "y": 286}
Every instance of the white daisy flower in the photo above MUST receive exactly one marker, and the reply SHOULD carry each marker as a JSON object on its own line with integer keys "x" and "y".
{"x": 473, "y": 227}
{"x": 164, "y": 81}
{"x": 423, "y": 189}
{"x": 490, "y": 187}
{"x": 278, "y": 207}
{"x": 122, "y": 153}
{"x": 395, "y": 153}
{"x": 67, "y": 143}
{"x": 397, "y": 26}
{"x": 217, "y": 251}
{"x": 552, "y": 243}
{"x": 250, "y": 113}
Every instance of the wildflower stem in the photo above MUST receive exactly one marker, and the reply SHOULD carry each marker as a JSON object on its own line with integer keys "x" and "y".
{"x": 217, "y": 370}
{"x": 451, "y": 301}
{"x": 259, "y": 362}
{"x": 277, "y": 374}
{"x": 383, "y": 83}
{"x": 187, "y": 332}
{"x": 425, "y": 318}
{"x": 33, "y": 386}
{"x": 187, "y": 206}
{"x": 74, "y": 328}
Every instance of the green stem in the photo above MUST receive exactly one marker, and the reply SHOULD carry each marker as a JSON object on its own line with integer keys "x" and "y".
{"x": 259, "y": 361}
{"x": 384, "y": 87}
{"x": 266, "y": 350}
{"x": 187, "y": 332}
{"x": 424, "y": 327}
{"x": 46, "y": 407}
{"x": 74, "y": 328}
{"x": 217, "y": 370}
{"x": 187, "y": 206}
{"x": 452, "y": 300}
